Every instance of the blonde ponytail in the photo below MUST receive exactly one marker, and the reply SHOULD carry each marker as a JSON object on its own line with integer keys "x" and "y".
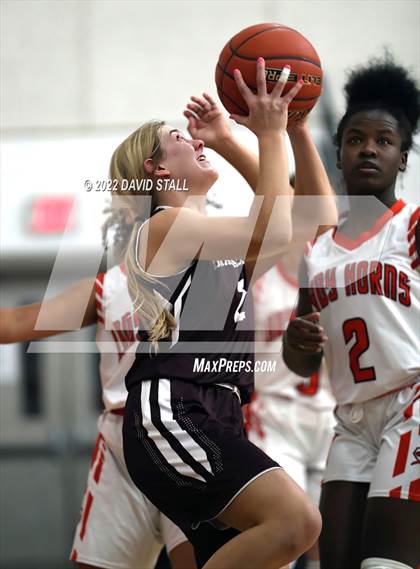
{"x": 126, "y": 171}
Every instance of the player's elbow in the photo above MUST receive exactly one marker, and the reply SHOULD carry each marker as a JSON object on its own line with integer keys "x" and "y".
{"x": 276, "y": 238}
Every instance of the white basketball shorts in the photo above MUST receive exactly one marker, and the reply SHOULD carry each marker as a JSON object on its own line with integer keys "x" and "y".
{"x": 296, "y": 436}
{"x": 119, "y": 527}
{"x": 378, "y": 442}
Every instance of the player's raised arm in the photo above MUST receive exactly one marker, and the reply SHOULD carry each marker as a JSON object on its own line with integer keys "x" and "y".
{"x": 311, "y": 179}
{"x": 207, "y": 121}
{"x": 177, "y": 234}
{"x": 59, "y": 314}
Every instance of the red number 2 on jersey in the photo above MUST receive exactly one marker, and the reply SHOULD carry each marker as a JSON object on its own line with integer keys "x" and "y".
{"x": 357, "y": 327}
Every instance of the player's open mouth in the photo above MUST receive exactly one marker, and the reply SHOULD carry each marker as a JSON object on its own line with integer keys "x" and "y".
{"x": 202, "y": 158}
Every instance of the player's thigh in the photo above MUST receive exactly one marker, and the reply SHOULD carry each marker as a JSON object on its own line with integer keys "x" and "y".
{"x": 182, "y": 556}
{"x": 273, "y": 496}
{"x": 392, "y": 530}
{"x": 342, "y": 507}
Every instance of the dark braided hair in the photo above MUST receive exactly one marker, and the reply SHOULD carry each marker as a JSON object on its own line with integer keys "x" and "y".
{"x": 385, "y": 85}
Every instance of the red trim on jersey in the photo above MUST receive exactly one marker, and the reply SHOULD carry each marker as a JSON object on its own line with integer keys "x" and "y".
{"x": 414, "y": 490}
{"x": 414, "y": 218}
{"x": 414, "y": 264}
{"x": 395, "y": 492}
{"x": 98, "y": 469}
{"x": 86, "y": 512}
{"x": 291, "y": 279}
{"x": 402, "y": 454}
{"x": 351, "y": 244}
{"x": 120, "y": 411}
{"x": 412, "y": 249}
{"x": 96, "y": 449}
{"x": 411, "y": 234}
{"x": 99, "y": 283}
{"x": 73, "y": 555}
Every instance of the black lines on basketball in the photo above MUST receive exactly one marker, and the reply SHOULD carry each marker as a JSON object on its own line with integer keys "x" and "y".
{"x": 278, "y": 45}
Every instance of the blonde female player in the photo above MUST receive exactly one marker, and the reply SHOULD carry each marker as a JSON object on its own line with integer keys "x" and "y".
{"x": 141, "y": 529}
{"x": 183, "y": 432}
{"x": 363, "y": 282}
{"x": 119, "y": 527}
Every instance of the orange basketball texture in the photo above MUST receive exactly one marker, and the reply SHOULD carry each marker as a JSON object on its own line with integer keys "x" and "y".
{"x": 279, "y": 46}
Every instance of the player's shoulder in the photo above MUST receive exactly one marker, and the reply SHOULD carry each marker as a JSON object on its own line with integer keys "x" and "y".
{"x": 412, "y": 213}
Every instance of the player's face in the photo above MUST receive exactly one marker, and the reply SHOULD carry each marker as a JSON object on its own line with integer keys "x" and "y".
{"x": 184, "y": 159}
{"x": 370, "y": 155}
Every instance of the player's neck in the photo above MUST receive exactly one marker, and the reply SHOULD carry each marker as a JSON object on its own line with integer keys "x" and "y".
{"x": 364, "y": 211}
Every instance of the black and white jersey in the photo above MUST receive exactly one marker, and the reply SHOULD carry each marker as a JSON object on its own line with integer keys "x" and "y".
{"x": 213, "y": 341}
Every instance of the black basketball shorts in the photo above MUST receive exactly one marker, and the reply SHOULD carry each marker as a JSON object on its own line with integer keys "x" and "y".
{"x": 186, "y": 449}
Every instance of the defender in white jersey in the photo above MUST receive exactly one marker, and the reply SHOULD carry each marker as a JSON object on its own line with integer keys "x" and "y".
{"x": 360, "y": 307}
{"x": 136, "y": 540}
{"x": 119, "y": 527}
{"x": 289, "y": 418}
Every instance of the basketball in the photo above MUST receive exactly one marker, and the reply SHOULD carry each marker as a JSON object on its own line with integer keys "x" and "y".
{"x": 279, "y": 46}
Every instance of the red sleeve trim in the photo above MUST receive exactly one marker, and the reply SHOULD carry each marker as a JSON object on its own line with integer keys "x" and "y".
{"x": 99, "y": 285}
{"x": 415, "y": 217}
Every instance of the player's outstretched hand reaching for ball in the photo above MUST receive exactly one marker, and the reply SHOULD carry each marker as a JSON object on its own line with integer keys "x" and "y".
{"x": 267, "y": 111}
{"x": 305, "y": 335}
{"x": 207, "y": 121}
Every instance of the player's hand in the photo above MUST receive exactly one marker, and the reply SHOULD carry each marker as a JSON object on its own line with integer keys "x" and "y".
{"x": 267, "y": 111}
{"x": 305, "y": 335}
{"x": 297, "y": 125}
{"x": 206, "y": 121}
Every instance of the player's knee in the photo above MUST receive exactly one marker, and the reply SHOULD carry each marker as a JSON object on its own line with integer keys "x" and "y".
{"x": 308, "y": 527}
{"x": 380, "y": 563}
{"x": 300, "y": 532}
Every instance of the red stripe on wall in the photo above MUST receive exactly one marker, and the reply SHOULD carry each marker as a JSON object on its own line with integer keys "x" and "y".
{"x": 402, "y": 454}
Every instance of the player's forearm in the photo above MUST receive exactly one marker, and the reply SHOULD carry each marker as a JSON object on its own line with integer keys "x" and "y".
{"x": 63, "y": 313}
{"x": 241, "y": 158}
{"x": 17, "y": 324}
{"x": 300, "y": 364}
{"x": 272, "y": 199}
{"x": 311, "y": 177}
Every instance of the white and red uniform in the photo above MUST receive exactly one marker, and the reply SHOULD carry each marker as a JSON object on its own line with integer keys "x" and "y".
{"x": 368, "y": 293}
{"x": 291, "y": 419}
{"x": 119, "y": 527}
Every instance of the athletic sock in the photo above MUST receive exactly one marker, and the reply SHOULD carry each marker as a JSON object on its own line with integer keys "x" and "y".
{"x": 379, "y": 563}
{"x": 312, "y": 564}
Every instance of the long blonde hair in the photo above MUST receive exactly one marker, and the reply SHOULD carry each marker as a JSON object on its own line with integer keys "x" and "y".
{"x": 127, "y": 167}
